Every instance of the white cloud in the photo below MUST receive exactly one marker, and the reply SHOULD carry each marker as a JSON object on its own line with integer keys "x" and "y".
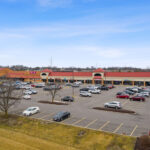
{"x": 64, "y": 30}
{"x": 7, "y": 35}
{"x": 55, "y": 3}
{"x": 105, "y": 52}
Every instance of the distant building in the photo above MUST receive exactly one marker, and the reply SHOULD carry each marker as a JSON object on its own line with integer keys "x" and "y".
{"x": 98, "y": 76}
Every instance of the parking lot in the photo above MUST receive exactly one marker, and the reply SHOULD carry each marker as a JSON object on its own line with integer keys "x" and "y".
{"x": 83, "y": 114}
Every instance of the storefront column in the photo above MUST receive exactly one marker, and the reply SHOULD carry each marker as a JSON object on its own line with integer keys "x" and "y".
{"x": 102, "y": 82}
{"x": 93, "y": 81}
{"x": 83, "y": 81}
{"x": 144, "y": 83}
{"x": 47, "y": 80}
{"x": 122, "y": 83}
{"x": 112, "y": 82}
{"x": 132, "y": 83}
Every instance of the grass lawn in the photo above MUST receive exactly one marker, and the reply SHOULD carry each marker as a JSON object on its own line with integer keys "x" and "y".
{"x": 21, "y": 133}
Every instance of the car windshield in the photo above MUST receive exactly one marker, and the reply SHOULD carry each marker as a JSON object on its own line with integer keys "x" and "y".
{"x": 30, "y": 109}
{"x": 59, "y": 114}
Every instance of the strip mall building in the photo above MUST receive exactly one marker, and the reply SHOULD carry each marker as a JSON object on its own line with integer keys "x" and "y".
{"x": 98, "y": 76}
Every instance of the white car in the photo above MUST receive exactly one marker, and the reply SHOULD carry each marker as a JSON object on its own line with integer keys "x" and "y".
{"x": 95, "y": 91}
{"x": 85, "y": 94}
{"x": 145, "y": 94}
{"x": 33, "y": 91}
{"x": 27, "y": 92}
{"x": 113, "y": 104}
{"x": 30, "y": 111}
{"x": 28, "y": 87}
{"x": 27, "y": 97}
{"x": 78, "y": 83}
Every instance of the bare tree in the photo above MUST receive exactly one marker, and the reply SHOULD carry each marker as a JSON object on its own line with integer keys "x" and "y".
{"x": 9, "y": 96}
{"x": 53, "y": 90}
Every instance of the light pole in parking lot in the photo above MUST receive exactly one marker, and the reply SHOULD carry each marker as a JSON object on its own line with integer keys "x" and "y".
{"x": 73, "y": 83}
{"x": 104, "y": 77}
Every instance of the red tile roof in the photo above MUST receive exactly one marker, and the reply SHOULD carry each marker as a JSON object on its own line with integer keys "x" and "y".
{"x": 99, "y": 70}
{"x": 127, "y": 74}
{"x": 47, "y": 70}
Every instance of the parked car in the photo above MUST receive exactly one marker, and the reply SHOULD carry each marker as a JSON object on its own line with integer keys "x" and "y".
{"x": 78, "y": 82}
{"x": 98, "y": 87}
{"x": 95, "y": 91}
{"x": 135, "y": 90}
{"x": 75, "y": 85}
{"x": 46, "y": 88}
{"x": 140, "y": 94}
{"x": 105, "y": 88}
{"x": 113, "y": 104}
{"x": 84, "y": 89}
{"x": 61, "y": 116}
{"x": 33, "y": 91}
{"x": 68, "y": 98}
{"x": 27, "y": 92}
{"x": 39, "y": 85}
{"x": 137, "y": 98}
{"x": 27, "y": 87}
{"x": 32, "y": 85}
{"x": 119, "y": 93}
{"x": 145, "y": 94}
{"x": 110, "y": 86}
{"x": 123, "y": 96}
{"x": 27, "y": 97}
{"x": 68, "y": 84}
{"x": 30, "y": 111}
{"x": 85, "y": 94}
{"x": 129, "y": 92}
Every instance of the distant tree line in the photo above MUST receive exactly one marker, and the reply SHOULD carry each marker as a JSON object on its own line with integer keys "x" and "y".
{"x": 79, "y": 69}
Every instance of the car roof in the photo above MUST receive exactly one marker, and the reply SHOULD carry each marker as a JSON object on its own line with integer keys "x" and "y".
{"x": 115, "y": 102}
{"x": 32, "y": 107}
{"x": 61, "y": 112}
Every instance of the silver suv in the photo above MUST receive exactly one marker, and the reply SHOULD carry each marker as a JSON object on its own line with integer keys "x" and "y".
{"x": 85, "y": 94}
{"x": 113, "y": 104}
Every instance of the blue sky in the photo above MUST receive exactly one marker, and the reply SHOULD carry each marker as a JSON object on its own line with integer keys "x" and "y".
{"x": 81, "y": 33}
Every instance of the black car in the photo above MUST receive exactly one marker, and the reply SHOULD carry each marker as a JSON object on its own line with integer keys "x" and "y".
{"x": 46, "y": 88}
{"x": 119, "y": 93}
{"x": 52, "y": 87}
{"x": 61, "y": 116}
{"x": 129, "y": 92}
{"x": 105, "y": 88}
{"x": 84, "y": 89}
{"x": 68, "y": 98}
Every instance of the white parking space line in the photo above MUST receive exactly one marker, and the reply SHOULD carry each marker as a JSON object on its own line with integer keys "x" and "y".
{"x": 118, "y": 128}
{"x": 41, "y": 113}
{"x": 46, "y": 116}
{"x": 67, "y": 119}
{"x": 76, "y": 122}
{"x": 90, "y": 123}
{"x": 125, "y": 103}
{"x": 134, "y": 130}
{"x": 105, "y": 124}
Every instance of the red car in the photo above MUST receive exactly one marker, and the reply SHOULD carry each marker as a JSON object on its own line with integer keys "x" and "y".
{"x": 137, "y": 98}
{"x": 110, "y": 86}
{"x": 32, "y": 85}
{"x": 123, "y": 96}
